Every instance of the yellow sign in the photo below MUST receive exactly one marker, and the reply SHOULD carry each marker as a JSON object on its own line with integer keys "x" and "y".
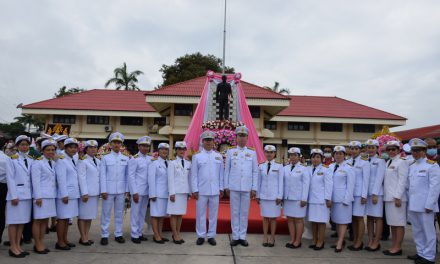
{"x": 58, "y": 129}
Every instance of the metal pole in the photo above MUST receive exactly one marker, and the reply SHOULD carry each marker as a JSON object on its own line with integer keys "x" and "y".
{"x": 224, "y": 40}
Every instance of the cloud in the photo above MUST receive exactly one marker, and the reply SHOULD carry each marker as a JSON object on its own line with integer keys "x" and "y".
{"x": 380, "y": 53}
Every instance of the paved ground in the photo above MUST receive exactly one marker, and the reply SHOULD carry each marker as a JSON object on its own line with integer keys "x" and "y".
{"x": 150, "y": 252}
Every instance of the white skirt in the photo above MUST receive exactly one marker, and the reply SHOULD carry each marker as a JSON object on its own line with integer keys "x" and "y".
{"x": 158, "y": 208}
{"x": 341, "y": 214}
{"x": 396, "y": 216}
{"x": 318, "y": 213}
{"x": 67, "y": 211}
{"x": 269, "y": 208}
{"x": 20, "y": 213}
{"x": 375, "y": 210}
{"x": 358, "y": 208}
{"x": 294, "y": 209}
{"x": 178, "y": 207}
{"x": 89, "y": 210}
{"x": 48, "y": 209}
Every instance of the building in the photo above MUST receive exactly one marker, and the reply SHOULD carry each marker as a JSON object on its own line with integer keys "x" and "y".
{"x": 421, "y": 132}
{"x": 165, "y": 114}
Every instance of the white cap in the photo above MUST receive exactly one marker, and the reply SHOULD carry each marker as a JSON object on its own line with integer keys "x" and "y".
{"x": 22, "y": 137}
{"x": 270, "y": 148}
{"x": 116, "y": 136}
{"x": 71, "y": 141}
{"x": 242, "y": 130}
{"x": 144, "y": 140}
{"x": 417, "y": 143}
{"x": 91, "y": 143}
{"x": 180, "y": 144}
{"x": 49, "y": 142}
{"x": 339, "y": 148}
{"x": 353, "y": 144}
{"x": 392, "y": 143}
{"x": 317, "y": 151}
{"x": 294, "y": 150}
{"x": 163, "y": 145}
{"x": 59, "y": 138}
{"x": 207, "y": 134}
{"x": 372, "y": 142}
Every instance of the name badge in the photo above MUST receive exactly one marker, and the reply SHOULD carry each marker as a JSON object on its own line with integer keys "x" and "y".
{"x": 217, "y": 158}
{"x": 422, "y": 171}
{"x": 392, "y": 167}
{"x": 275, "y": 170}
{"x": 298, "y": 171}
{"x": 248, "y": 155}
{"x": 374, "y": 163}
{"x": 235, "y": 153}
{"x": 321, "y": 173}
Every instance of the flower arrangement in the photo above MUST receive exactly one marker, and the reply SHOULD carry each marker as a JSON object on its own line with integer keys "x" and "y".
{"x": 224, "y": 131}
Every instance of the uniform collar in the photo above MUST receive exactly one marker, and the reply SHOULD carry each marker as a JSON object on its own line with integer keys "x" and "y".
{"x": 271, "y": 162}
{"x": 89, "y": 157}
{"x": 141, "y": 155}
{"x": 421, "y": 160}
{"x": 23, "y": 154}
{"x": 160, "y": 158}
{"x": 179, "y": 158}
{"x": 209, "y": 152}
{"x": 114, "y": 153}
{"x": 319, "y": 165}
{"x": 241, "y": 148}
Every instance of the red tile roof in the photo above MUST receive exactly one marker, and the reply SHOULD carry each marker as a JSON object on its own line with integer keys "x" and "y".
{"x": 421, "y": 132}
{"x": 194, "y": 88}
{"x": 326, "y": 106}
{"x": 98, "y": 99}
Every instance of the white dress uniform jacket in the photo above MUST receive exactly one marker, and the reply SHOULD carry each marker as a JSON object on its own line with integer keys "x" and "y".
{"x": 43, "y": 179}
{"x": 138, "y": 174}
{"x": 377, "y": 174}
{"x": 321, "y": 186}
{"x": 158, "y": 179}
{"x": 241, "y": 170}
{"x": 207, "y": 171}
{"x": 296, "y": 182}
{"x": 67, "y": 178}
{"x": 88, "y": 175}
{"x": 19, "y": 178}
{"x": 113, "y": 173}
{"x": 343, "y": 183}
{"x": 178, "y": 176}
{"x": 361, "y": 168}
{"x": 270, "y": 185}
{"x": 396, "y": 179}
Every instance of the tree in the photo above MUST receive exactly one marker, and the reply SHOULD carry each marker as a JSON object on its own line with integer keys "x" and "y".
{"x": 30, "y": 120}
{"x": 276, "y": 88}
{"x": 191, "y": 66}
{"x": 63, "y": 91}
{"x": 124, "y": 80}
{"x": 12, "y": 130}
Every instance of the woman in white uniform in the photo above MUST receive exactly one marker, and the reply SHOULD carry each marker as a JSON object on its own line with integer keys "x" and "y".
{"x": 342, "y": 196}
{"x": 88, "y": 177}
{"x": 270, "y": 194}
{"x": 178, "y": 188}
{"x": 158, "y": 191}
{"x": 68, "y": 192}
{"x": 296, "y": 191}
{"x": 395, "y": 183}
{"x": 320, "y": 195}
{"x": 44, "y": 192}
{"x": 375, "y": 196}
{"x": 19, "y": 197}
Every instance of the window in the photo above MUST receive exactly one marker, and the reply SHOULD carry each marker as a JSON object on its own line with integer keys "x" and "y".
{"x": 331, "y": 127}
{"x": 364, "y": 128}
{"x": 271, "y": 125}
{"x": 298, "y": 126}
{"x": 97, "y": 120}
{"x": 64, "y": 119}
{"x": 255, "y": 111}
{"x": 131, "y": 121}
{"x": 183, "y": 109}
{"x": 160, "y": 121}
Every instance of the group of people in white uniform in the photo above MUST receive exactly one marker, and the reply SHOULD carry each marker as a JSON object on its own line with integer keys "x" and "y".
{"x": 345, "y": 192}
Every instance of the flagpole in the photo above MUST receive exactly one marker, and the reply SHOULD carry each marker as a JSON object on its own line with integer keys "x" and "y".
{"x": 224, "y": 40}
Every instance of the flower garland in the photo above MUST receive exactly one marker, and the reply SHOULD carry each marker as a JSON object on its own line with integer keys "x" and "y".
{"x": 224, "y": 131}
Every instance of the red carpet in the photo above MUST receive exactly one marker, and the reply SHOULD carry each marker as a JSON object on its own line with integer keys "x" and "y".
{"x": 224, "y": 219}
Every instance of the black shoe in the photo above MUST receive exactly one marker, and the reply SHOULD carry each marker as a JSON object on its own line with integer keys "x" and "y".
{"x": 319, "y": 248}
{"x": 42, "y": 252}
{"x": 421, "y": 260}
{"x": 200, "y": 241}
{"x": 47, "y": 250}
{"x": 178, "y": 242}
{"x": 299, "y": 245}
{"x": 53, "y": 229}
{"x": 244, "y": 242}
{"x": 353, "y": 248}
{"x": 142, "y": 238}
{"x": 265, "y": 244}
{"x": 91, "y": 242}
{"x": 212, "y": 241}
{"x": 182, "y": 241}
{"x": 164, "y": 239}
{"x": 71, "y": 245}
{"x": 389, "y": 253}
{"x": 135, "y": 240}
{"x": 373, "y": 249}
{"x": 12, "y": 254}
{"x": 25, "y": 253}
{"x": 57, "y": 246}
{"x": 104, "y": 241}
{"x": 84, "y": 243}
{"x": 120, "y": 239}
{"x": 158, "y": 241}
{"x": 234, "y": 243}
{"x": 7, "y": 243}
{"x": 312, "y": 246}
{"x": 413, "y": 257}
{"x": 289, "y": 245}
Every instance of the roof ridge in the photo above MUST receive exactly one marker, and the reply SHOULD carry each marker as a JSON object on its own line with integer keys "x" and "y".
{"x": 57, "y": 98}
{"x": 371, "y": 108}
{"x": 417, "y": 128}
{"x": 262, "y": 87}
{"x": 178, "y": 83}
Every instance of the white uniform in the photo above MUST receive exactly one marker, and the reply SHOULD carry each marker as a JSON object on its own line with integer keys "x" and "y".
{"x": 88, "y": 177}
{"x": 296, "y": 189}
{"x": 113, "y": 181}
{"x": 241, "y": 177}
{"x": 138, "y": 184}
{"x": 424, "y": 189}
{"x": 321, "y": 188}
{"x": 207, "y": 179}
{"x": 342, "y": 196}
{"x": 44, "y": 187}
{"x": 375, "y": 186}
{"x": 67, "y": 186}
{"x": 395, "y": 184}
{"x": 178, "y": 185}
{"x": 270, "y": 188}
{"x": 158, "y": 187}
{"x": 19, "y": 187}
{"x": 361, "y": 168}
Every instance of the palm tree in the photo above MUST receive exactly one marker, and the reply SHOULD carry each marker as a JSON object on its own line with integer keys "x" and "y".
{"x": 28, "y": 120}
{"x": 276, "y": 88}
{"x": 124, "y": 80}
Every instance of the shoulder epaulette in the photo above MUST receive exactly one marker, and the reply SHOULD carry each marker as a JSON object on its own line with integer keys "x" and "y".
{"x": 125, "y": 154}
{"x": 364, "y": 158}
{"x": 304, "y": 164}
{"x": 430, "y": 161}
{"x": 251, "y": 148}
{"x": 278, "y": 162}
{"x": 136, "y": 156}
{"x": 231, "y": 147}
{"x": 153, "y": 159}
{"x": 30, "y": 156}
{"x": 148, "y": 154}
{"x": 105, "y": 153}
{"x": 348, "y": 164}
{"x": 61, "y": 156}
{"x": 325, "y": 165}
{"x": 15, "y": 156}
{"x": 40, "y": 158}
{"x": 404, "y": 158}
{"x": 173, "y": 158}
{"x": 82, "y": 158}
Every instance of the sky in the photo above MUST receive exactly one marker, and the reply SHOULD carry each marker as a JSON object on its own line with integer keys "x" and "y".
{"x": 384, "y": 54}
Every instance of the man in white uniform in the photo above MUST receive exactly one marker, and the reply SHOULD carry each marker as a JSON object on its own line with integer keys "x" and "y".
{"x": 241, "y": 177}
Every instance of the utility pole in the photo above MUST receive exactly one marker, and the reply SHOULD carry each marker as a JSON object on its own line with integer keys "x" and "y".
{"x": 224, "y": 40}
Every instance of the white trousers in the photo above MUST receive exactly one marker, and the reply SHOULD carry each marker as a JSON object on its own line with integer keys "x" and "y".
{"x": 137, "y": 215}
{"x": 211, "y": 203}
{"x": 240, "y": 203}
{"x": 115, "y": 201}
{"x": 424, "y": 234}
